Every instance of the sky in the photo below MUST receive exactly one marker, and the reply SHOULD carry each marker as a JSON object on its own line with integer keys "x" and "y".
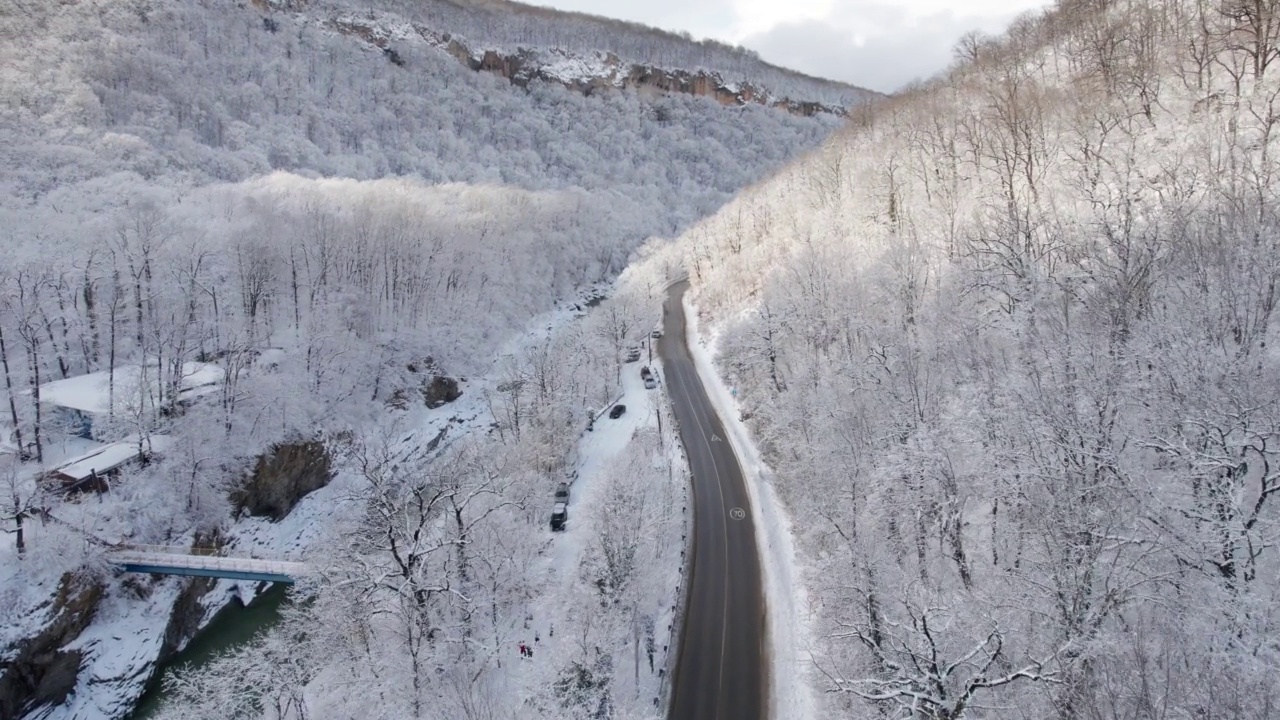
{"x": 877, "y": 44}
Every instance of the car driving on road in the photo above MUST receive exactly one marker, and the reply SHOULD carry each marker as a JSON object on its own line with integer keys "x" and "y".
{"x": 617, "y": 411}
{"x": 559, "y": 516}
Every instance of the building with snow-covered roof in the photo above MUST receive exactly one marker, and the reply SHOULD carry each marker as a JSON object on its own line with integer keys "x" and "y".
{"x": 79, "y": 402}
{"x": 105, "y": 461}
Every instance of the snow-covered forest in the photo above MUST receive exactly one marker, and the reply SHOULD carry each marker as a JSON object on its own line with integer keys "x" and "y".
{"x": 102, "y": 94}
{"x": 232, "y": 235}
{"x": 1007, "y": 344}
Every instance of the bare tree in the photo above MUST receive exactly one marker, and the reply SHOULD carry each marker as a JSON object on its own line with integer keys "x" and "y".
{"x": 22, "y": 500}
{"x": 1254, "y": 29}
{"x": 925, "y": 670}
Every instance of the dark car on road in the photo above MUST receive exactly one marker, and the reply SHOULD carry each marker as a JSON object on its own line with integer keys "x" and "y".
{"x": 559, "y": 516}
{"x": 617, "y": 411}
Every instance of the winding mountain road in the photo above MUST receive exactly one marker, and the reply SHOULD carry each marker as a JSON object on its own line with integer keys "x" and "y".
{"x": 720, "y": 674}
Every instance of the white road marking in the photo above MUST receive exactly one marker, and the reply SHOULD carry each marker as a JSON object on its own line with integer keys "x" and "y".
{"x": 724, "y": 613}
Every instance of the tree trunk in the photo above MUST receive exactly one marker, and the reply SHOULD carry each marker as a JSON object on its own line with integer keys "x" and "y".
{"x": 111, "y": 355}
{"x": 53, "y": 343}
{"x": 91, "y": 313}
{"x": 20, "y": 533}
{"x": 33, "y": 357}
{"x": 137, "y": 302}
{"x": 293, "y": 272}
{"x": 8, "y": 386}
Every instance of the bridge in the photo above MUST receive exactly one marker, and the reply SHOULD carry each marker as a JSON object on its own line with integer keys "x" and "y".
{"x": 201, "y": 562}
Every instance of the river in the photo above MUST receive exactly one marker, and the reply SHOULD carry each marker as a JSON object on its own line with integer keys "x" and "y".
{"x": 232, "y": 627}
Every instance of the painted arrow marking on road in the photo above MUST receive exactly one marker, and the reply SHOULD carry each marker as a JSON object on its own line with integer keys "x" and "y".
{"x": 715, "y": 437}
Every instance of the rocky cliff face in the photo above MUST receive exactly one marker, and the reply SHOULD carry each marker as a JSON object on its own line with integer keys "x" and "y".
{"x": 585, "y": 74}
{"x": 43, "y": 671}
{"x": 282, "y": 477}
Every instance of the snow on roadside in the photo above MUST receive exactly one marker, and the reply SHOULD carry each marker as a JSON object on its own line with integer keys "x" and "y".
{"x": 790, "y": 667}
{"x": 560, "y": 566}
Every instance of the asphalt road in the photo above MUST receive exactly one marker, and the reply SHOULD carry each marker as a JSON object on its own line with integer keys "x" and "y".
{"x": 720, "y": 674}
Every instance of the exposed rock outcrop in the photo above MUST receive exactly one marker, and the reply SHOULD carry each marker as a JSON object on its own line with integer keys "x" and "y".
{"x": 188, "y": 612}
{"x": 585, "y": 74}
{"x": 282, "y": 477}
{"x": 43, "y": 671}
{"x": 440, "y": 391}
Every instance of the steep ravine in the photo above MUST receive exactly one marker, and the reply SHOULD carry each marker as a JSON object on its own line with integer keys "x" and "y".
{"x": 236, "y": 624}
{"x": 43, "y": 670}
{"x": 103, "y": 643}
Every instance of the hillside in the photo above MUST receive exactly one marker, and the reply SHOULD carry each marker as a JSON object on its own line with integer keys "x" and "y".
{"x": 215, "y": 90}
{"x": 393, "y": 263}
{"x": 113, "y": 101}
{"x": 1008, "y": 345}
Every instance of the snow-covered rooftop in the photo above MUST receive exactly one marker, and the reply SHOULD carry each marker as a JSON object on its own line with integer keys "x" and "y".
{"x": 91, "y": 393}
{"x": 108, "y": 457}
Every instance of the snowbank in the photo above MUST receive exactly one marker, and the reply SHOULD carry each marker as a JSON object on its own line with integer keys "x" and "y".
{"x": 790, "y": 688}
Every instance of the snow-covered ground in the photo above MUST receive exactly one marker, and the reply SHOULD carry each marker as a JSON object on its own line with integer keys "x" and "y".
{"x": 550, "y": 630}
{"x": 127, "y": 633}
{"x": 790, "y": 664}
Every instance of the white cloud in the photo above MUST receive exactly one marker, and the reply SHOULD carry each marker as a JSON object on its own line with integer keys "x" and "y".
{"x": 879, "y": 44}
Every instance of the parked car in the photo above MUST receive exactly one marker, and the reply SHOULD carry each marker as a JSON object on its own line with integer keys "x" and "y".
{"x": 559, "y": 516}
{"x": 656, "y": 334}
{"x": 633, "y": 355}
{"x": 562, "y": 493}
{"x": 650, "y": 380}
{"x": 617, "y": 411}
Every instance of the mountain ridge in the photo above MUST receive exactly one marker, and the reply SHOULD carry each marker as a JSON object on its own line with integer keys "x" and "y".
{"x": 494, "y": 35}
{"x": 584, "y": 74}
